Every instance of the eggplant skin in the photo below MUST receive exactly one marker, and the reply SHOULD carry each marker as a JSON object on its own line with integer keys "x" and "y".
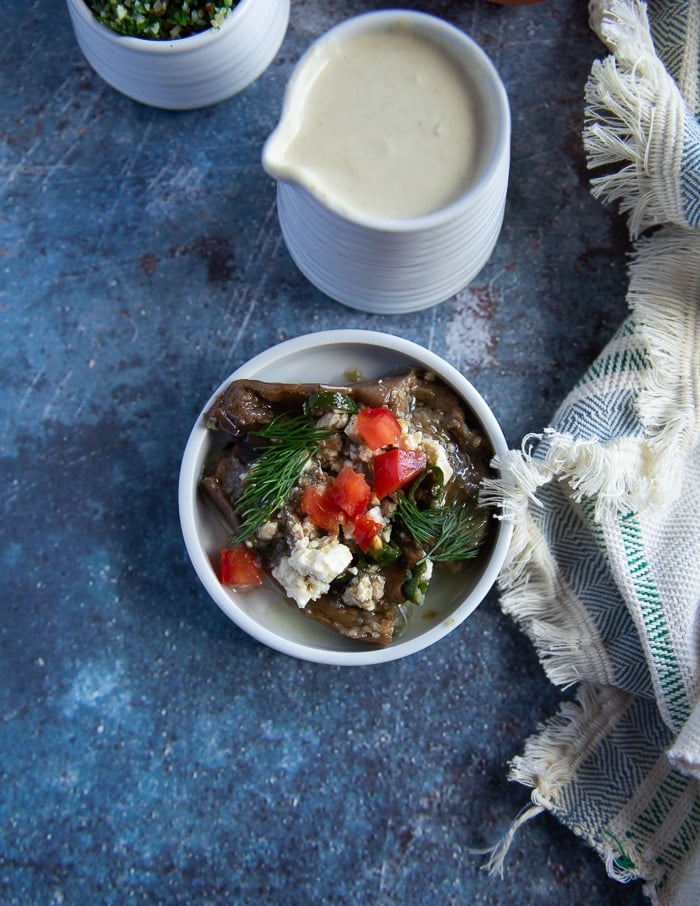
{"x": 249, "y": 404}
{"x": 245, "y": 406}
{"x": 379, "y": 627}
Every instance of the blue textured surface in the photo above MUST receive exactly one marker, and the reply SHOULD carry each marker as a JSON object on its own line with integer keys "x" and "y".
{"x": 150, "y": 752}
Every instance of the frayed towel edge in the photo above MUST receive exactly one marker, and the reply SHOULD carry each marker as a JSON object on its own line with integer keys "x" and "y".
{"x": 549, "y": 762}
{"x": 631, "y": 102}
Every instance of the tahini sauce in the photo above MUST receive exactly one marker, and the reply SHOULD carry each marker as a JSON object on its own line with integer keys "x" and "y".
{"x": 388, "y": 127}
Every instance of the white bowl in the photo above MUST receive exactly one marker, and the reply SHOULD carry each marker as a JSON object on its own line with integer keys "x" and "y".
{"x": 264, "y": 613}
{"x": 381, "y": 264}
{"x": 185, "y": 73}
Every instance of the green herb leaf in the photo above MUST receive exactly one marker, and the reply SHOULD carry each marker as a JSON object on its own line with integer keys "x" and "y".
{"x": 417, "y": 582}
{"x": 294, "y": 440}
{"x": 446, "y": 533}
{"x": 161, "y": 19}
{"x": 328, "y": 400}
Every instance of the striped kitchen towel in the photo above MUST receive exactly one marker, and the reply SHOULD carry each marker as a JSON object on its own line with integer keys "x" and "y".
{"x": 604, "y": 570}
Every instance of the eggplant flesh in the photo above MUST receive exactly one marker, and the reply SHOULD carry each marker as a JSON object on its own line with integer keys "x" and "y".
{"x": 417, "y": 397}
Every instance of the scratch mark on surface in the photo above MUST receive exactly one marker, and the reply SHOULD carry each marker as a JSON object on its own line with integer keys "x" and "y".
{"x": 134, "y": 326}
{"x": 85, "y": 457}
{"x": 431, "y": 330}
{"x": 245, "y": 301}
{"x": 120, "y": 181}
{"x": 78, "y": 414}
{"x": 60, "y": 387}
{"x": 30, "y": 388}
{"x": 169, "y": 185}
{"x": 23, "y": 166}
{"x": 382, "y": 877}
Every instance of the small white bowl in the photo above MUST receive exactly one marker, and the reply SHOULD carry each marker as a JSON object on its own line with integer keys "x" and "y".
{"x": 388, "y": 265}
{"x": 264, "y": 613}
{"x": 185, "y": 73}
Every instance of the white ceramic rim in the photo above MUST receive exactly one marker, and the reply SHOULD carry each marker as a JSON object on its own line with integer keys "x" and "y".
{"x": 159, "y": 46}
{"x": 492, "y": 84}
{"x": 189, "y": 478}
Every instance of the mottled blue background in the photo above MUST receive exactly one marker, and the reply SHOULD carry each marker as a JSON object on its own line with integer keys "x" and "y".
{"x": 150, "y": 752}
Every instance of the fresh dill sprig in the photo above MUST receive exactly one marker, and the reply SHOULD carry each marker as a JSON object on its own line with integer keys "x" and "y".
{"x": 294, "y": 440}
{"x": 446, "y": 533}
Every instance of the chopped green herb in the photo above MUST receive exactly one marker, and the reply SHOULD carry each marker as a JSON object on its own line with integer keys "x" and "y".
{"x": 329, "y": 400}
{"x": 161, "y": 20}
{"x": 293, "y": 441}
{"x": 417, "y": 582}
{"x": 446, "y": 533}
{"x": 384, "y": 552}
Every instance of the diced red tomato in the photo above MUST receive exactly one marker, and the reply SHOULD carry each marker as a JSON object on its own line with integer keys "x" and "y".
{"x": 365, "y": 530}
{"x": 350, "y": 492}
{"x": 378, "y": 427}
{"x": 320, "y": 509}
{"x": 239, "y": 567}
{"x": 395, "y": 469}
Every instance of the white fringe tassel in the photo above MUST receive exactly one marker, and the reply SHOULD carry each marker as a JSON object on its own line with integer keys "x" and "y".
{"x": 495, "y": 864}
{"x": 665, "y": 295}
{"x": 634, "y": 118}
{"x": 550, "y": 761}
{"x": 633, "y": 123}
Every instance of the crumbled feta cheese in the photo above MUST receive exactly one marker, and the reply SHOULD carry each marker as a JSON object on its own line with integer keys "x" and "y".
{"x": 364, "y": 591}
{"x": 334, "y": 419}
{"x": 411, "y": 440}
{"x": 433, "y": 449}
{"x": 357, "y": 450}
{"x": 351, "y": 430}
{"x": 375, "y": 513}
{"x": 300, "y": 530}
{"x": 437, "y": 456}
{"x": 428, "y": 566}
{"x": 308, "y": 571}
{"x": 359, "y": 453}
{"x": 268, "y": 531}
{"x": 324, "y": 560}
{"x": 301, "y": 589}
